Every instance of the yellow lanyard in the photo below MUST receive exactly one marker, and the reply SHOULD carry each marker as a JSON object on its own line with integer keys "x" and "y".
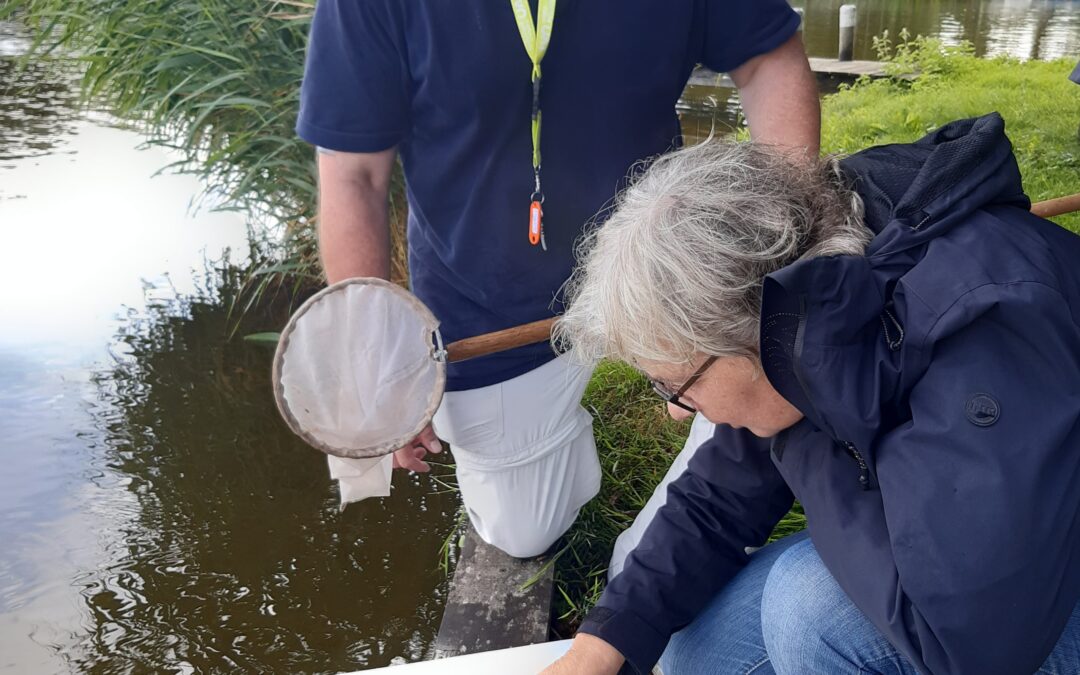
{"x": 536, "y": 39}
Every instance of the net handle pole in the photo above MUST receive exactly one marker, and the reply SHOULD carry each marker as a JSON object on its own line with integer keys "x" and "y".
{"x": 1056, "y": 207}
{"x": 491, "y": 343}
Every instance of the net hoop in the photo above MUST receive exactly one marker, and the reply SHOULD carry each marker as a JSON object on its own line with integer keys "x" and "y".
{"x": 280, "y": 354}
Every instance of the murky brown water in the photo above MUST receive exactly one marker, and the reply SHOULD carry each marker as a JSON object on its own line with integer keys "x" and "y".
{"x": 155, "y": 515}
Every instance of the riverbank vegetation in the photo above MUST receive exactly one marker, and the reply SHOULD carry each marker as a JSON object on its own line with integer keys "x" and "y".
{"x": 931, "y": 84}
{"x": 218, "y": 81}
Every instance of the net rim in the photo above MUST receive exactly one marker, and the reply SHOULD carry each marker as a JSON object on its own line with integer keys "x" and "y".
{"x": 283, "y": 346}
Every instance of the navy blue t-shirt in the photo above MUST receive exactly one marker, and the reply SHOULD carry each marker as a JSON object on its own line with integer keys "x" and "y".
{"x": 448, "y": 82}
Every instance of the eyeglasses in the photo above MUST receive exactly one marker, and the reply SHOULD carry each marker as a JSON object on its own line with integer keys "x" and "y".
{"x": 673, "y": 397}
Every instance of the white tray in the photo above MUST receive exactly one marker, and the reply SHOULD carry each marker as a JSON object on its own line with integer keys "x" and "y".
{"x": 527, "y": 660}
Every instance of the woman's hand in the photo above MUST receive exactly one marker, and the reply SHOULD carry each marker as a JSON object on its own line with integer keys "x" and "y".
{"x": 588, "y": 655}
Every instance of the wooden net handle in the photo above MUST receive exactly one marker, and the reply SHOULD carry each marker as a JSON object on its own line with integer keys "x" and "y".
{"x": 499, "y": 341}
{"x": 1056, "y": 207}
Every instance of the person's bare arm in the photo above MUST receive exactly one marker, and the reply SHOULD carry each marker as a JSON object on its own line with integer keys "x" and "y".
{"x": 588, "y": 655}
{"x": 354, "y": 225}
{"x": 354, "y": 241}
{"x": 780, "y": 98}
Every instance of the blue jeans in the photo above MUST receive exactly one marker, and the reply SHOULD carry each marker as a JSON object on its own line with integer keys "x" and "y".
{"x": 784, "y": 613}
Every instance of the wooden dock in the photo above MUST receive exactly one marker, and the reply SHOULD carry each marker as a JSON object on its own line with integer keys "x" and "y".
{"x": 824, "y": 67}
{"x": 848, "y": 68}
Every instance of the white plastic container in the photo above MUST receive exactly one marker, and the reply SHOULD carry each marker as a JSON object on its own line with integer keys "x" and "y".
{"x": 527, "y": 660}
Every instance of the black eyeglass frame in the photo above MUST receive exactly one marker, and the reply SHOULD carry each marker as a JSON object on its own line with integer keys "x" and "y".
{"x": 674, "y": 398}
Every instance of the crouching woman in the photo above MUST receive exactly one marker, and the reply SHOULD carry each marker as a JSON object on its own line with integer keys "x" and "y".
{"x": 893, "y": 341}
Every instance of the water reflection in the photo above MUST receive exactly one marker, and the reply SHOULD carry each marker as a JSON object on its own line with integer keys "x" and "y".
{"x": 37, "y": 102}
{"x": 234, "y": 554}
{"x": 154, "y": 514}
{"x": 704, "y": 111}
{"x": 1025, "y": 29}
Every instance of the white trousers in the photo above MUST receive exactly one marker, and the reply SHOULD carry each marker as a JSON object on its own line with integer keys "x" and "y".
{"x": 526, "y": 460}
{"x": 525, "y": 454}
{"x": 700, "y": 431}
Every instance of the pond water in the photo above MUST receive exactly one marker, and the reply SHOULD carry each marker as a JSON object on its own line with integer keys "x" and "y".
{"x": 1026, "y": 29}
{"x": 154, "y": 512}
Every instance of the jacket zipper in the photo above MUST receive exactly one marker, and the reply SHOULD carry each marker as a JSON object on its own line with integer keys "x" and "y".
{"x": 864, "y": 470}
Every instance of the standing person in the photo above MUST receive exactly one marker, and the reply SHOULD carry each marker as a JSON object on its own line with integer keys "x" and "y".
{"x": 449, "y": 87}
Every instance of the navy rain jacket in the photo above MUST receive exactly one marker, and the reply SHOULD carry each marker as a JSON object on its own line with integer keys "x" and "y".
{"x": 939, "y": 458}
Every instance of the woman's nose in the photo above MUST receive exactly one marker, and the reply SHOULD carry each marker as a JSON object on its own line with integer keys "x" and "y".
{"x": 678, "y": 413}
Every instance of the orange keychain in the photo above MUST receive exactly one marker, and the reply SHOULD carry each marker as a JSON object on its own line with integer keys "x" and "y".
{"x": 536, "y": 215}
{"x": 535, "y": 37}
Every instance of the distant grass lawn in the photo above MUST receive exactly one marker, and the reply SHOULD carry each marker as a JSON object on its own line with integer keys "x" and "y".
{"x": 1041, "y": 108}
{"x": 636, "y": 439}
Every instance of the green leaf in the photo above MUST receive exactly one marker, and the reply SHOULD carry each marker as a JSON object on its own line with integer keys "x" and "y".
{"x": 263, "y": 338}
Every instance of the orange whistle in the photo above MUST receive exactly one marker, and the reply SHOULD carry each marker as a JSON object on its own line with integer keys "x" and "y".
{"x": 535, "y": 216}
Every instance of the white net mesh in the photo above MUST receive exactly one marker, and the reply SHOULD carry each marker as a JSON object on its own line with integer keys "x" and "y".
{"x": 354, "y": 374}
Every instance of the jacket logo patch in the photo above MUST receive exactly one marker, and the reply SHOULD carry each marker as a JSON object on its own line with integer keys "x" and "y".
{"x": 982, "y": 410}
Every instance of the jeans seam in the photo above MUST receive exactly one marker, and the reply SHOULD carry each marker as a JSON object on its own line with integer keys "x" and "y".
{"x": 864, "y": 668}
{"x": 758, "y": 665}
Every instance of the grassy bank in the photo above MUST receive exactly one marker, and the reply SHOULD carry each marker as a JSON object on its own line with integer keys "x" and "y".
{"x": 1042, "y": 112}
{"x": 1041, "y": 108}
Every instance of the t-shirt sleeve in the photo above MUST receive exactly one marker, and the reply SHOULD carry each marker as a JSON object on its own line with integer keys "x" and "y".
{"x": 738, "y": 30}
{"x": 355, "y": 93}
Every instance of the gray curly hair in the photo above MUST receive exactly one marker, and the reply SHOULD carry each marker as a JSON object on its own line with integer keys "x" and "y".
{"x": 677, "y": 269}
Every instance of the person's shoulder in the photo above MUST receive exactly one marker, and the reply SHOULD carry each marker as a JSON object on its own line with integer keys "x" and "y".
{"x": 989, "y": 254}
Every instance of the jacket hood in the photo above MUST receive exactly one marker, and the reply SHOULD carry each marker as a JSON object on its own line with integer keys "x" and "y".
{"x": 913, "y": 192}
{"x": 832, "y": 319}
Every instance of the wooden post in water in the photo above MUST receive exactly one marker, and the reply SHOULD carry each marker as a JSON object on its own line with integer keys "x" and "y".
{"x": 847, "y": 33}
